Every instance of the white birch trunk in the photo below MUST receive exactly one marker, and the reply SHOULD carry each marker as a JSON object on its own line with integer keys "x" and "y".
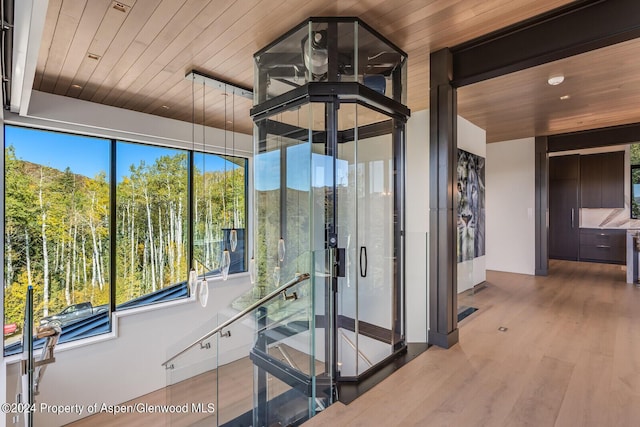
{"x": 45, "y": 251}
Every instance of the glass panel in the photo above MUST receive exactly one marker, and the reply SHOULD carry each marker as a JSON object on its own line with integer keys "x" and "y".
{"x": 285, "y": 345}
{"x": 282, "y": 198}
{"x": 192, "y": 378}
{"x": 365, "y": 188}
{"x": 380, "y": 66}
{"x": 218, "y": 208}
{"x": 348, "y": 51}
{"x": 281, "y": 68}
{"x": 303, "y": 56}
{"x": 292, "y": 178}
{"x": 56, "y": 233}
{"x": 348, "y": 178}
{"x": 375, "y": 244}
{"x": 151, "y": 197}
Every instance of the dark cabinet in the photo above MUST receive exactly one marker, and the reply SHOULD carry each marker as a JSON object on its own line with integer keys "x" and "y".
{"x": 602, "y": 180}
{"x": 564, "y": 232}
{"x": 603, "y": 245}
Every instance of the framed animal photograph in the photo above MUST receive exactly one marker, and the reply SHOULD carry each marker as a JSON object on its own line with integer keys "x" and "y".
{"x": 471, "y": 206}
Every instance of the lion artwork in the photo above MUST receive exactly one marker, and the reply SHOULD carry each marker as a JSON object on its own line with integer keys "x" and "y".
{"x": 470, "y": 202}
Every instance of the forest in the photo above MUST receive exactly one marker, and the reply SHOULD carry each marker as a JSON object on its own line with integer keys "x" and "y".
{"x": 57, "y": 229}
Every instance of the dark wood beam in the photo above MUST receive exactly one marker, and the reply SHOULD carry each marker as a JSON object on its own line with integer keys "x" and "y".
{"x": 443, "y": 147}
{"x": 577, "y": 28}
{"x": 541, "y": 206}
{"x": 615, "y": 135}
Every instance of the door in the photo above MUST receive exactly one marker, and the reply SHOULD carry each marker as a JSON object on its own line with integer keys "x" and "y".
{"x": 564, "y": 222}
{"x": 368, "y": 294}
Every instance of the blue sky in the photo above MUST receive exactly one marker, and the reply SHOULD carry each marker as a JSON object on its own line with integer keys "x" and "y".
{"x": 88, "y": 155}
{"x": 84, "y": 155}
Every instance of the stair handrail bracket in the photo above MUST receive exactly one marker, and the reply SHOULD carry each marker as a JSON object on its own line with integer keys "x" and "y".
{"x": 218, "y": 329}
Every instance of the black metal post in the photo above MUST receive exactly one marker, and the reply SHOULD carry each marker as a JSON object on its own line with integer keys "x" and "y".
{"x": 260, "y": 407}
{"x": 28, "y": 342}
{"x": 190, "y": 214}
{"x": 398, "y": 135}
{"x": 113, "y": 207}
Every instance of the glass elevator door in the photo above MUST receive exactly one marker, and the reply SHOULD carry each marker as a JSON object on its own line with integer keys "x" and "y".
{"x": 369, "y": 317}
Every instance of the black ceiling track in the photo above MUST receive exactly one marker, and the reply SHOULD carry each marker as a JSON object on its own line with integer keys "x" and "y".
{"x": 570, "y": 30}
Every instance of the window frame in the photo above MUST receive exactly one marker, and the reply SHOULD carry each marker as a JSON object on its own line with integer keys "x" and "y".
{"x": 189, "y": 229}
{"x": 631, "y": 193}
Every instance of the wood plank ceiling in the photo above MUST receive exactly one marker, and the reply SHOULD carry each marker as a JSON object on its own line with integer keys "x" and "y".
{"x": 134, "y": 54}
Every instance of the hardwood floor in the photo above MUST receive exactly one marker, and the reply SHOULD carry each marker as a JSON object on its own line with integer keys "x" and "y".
{"x": 570, "y": 357}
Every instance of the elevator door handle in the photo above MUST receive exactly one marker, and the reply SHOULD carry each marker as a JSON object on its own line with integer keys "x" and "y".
{"x": 363, "y": 261}
{"x": 572, "y": 218}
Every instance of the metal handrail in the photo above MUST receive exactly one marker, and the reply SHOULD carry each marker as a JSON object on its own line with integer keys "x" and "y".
{"x": 281, "y": 290}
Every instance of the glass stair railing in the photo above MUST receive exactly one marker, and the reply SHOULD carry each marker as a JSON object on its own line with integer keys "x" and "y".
{"x": 257, "y": 367}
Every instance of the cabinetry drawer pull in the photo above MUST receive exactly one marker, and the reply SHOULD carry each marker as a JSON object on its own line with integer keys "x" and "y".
{"x": 603, "y": 246}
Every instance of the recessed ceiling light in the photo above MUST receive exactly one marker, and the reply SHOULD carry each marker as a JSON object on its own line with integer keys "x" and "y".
{"x": 563, "y": 97}
{"x": 75, "y": 86}
{"x": 166, "y": 107}
{"x": 555, "y": 79}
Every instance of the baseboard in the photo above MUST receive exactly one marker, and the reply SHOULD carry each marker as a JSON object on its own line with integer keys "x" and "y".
{"x": 443, "y": 340}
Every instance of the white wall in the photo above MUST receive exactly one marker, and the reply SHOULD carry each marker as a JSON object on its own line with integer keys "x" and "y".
{"x": 510, "y": 204}
{"x": 128, "y": 362}
{"x": 417, "y": 226}
{"x": 472, "y": 139}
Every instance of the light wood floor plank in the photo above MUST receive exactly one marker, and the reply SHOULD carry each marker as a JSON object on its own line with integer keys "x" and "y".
{"x": 570, "y": 357}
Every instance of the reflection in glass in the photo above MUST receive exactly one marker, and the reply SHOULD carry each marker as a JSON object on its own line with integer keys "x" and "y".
{"x": 281, "y": 249}
{"x": 252, "y": 270}
{"x": 276, "y": 275}
{"x": 225, "y": 262}
{"x": 210, "y": 215}
{"x": 233, "y": 239}
{"x": 193, "y": 281}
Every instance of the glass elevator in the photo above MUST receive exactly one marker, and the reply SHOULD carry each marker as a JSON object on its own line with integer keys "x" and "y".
{"x": 329, "y": 142}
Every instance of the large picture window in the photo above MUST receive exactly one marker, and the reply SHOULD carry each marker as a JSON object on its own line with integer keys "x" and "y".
{"x": 56, "y": 230}
{"x": 151, "y": 197}
{"x": 64, "y": 213}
